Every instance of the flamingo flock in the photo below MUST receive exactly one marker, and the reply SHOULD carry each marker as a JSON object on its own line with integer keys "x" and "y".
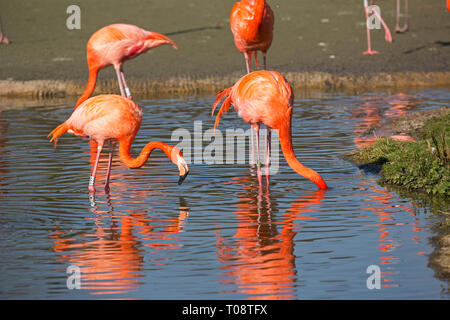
{"x": 260, "y": 97}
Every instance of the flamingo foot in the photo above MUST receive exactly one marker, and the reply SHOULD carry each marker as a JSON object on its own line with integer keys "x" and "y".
{"x": 370, "y": 52}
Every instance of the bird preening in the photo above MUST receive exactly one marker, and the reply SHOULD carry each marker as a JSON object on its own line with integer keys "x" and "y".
{"x": 113, "y": 45}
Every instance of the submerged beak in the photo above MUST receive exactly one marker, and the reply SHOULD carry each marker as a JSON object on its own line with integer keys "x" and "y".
{"x": 184, "y": 170}
{"x": 182, "y": 177}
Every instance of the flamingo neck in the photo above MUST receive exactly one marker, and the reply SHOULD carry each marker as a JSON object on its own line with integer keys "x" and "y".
{"x": 130, "y": 162}
{"x": 284, "y": 133}
{"x": 93, "y": 72}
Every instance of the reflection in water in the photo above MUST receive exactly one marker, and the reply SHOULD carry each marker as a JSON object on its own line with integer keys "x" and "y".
{"x": 375, "y": 110}
{"x": 3, "y": 164}
{"x": 111, "y": 256}
{"x": 260, "y": 260}
{"x": 143, "y": 241}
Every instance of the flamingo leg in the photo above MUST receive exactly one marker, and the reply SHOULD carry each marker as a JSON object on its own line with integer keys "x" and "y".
{"x": 124, "y": 83}
{"x": 268, "y": 149}
{"x": 94, "y": 170}
{"x": 369, "y": 46}
{"x": 3, "y": 39}
{"x": 387, "y": 32}
{"x": 119, "y": 78}
{"x": 108, "y": 172}
{"x": 399, "y": 29}
{"x": 258, "y": 162}
{"x": 252, "y": 160}
{"x": 247, "y": 61}
{"x": 264, "y": 61}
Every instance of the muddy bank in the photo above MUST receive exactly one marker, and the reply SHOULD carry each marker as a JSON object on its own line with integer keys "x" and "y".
{"x": 316, "y": 44}
{"x": 211, "y": 84}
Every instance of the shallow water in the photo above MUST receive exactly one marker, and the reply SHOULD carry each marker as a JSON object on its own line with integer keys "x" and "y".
{"x": 217, "y": 236}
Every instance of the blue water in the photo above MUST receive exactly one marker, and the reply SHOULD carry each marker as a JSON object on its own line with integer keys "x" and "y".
{"x": 218, "y": 235}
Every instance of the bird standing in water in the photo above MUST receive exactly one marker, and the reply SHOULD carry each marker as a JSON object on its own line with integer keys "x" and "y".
{"x": 113, "y": 45}
{"x": 114, "y": 118}
{"x": 265, "y": 97}
{"x": 252, "y": 22}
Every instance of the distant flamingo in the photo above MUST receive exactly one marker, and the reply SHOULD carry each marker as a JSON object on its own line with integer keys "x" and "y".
{"x": 399, "y": 29}
{"x": 113, "y": 45}
{"x": 387, "y": 32}
{"x": 114, "y": 118}
{"x": 3, "y": 38}
{"x": 252, "y": 26}
{"x": 265, "y": 97}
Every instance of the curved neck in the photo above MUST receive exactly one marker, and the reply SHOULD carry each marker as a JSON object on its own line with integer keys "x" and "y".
{"x": 93, "y": 72}
{"x": 284, "y": 133}
{"x": 130, "y": 162}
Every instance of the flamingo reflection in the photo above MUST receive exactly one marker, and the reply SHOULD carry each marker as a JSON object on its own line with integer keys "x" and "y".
{"x": 376, "y": 110}
{"x": 372, "y": 113}
{"x": 111, "y": 256}
{"x": 260, "y": 259}
{"x": 381, "y": 202}
{"x": 4, "y": 125}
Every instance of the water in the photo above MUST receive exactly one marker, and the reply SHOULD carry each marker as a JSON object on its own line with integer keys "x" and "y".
{"x": 217, "y": 236}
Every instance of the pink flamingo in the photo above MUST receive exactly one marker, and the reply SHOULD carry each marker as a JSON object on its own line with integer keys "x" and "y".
{"x": 115, "y": 118}
{"x": 115, "y": 44}
{"x": 388, "y": 35}
{"x": 3, "y": 38}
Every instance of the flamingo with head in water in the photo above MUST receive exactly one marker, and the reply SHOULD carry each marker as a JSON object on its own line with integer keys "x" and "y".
{"x": 266, "y": 97}
{"x": 115, "y": 118}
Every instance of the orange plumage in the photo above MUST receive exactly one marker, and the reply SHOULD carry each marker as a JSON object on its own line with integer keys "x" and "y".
{"x": 252, "y": 22}
{"x": 114, "y": 118}
{"x": 266, "y": 97}
{"x": 113, "y": 45}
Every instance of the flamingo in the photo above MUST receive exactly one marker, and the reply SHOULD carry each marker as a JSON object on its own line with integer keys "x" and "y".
{"x": 399, "y": 29}
{"x": 265, "y": 97}
{"x": 3, "y": 38}
{"x": 387, "y": 32}
{"x": 114, "y": 118}
{"x": 252, "y": 22}
{"x": 113, "y": 45}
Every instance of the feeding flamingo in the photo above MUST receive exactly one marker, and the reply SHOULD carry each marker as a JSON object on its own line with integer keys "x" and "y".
{"x": 252, "y": 22}
{"x": 387, "y": 32}
{"x": 265, "y": 97}
{"x": 113, "y": 45}
{"x": 114, "y": 118}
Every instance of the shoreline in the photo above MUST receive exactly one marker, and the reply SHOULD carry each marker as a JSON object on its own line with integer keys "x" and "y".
{"x": 212, "y": 84}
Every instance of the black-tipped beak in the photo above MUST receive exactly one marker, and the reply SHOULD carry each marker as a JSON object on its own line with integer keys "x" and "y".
{"x": 182, "y": 177}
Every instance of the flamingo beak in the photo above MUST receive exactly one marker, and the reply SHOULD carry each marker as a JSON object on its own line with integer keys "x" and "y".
{"x": 160, "y": 39}
{"x": 182, "y": 177}
{"x": 184, "y": 170}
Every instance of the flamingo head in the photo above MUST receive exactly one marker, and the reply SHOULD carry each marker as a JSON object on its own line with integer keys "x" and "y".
{"x": 177, "y": 158}
{"x": 155, "y": 39}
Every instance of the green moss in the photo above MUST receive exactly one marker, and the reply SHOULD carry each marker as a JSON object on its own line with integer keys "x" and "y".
{"x": 423, "y": 165}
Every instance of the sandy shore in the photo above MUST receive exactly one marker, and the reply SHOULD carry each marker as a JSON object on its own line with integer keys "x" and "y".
{"x": 316, "y": 44}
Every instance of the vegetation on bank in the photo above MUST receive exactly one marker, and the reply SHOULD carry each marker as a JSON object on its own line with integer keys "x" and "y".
{"x": 422, "y": 165}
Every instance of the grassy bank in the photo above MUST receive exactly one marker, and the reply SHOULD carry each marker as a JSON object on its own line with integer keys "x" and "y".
{"x": 421, "y": 166}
